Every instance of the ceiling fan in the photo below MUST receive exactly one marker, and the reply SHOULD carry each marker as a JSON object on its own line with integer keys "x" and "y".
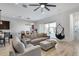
{"x": 42, "y": 6}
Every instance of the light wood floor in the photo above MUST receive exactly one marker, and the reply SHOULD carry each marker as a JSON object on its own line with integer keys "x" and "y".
{"x": 71, "y": 49}
{"x": 4, "y": 51}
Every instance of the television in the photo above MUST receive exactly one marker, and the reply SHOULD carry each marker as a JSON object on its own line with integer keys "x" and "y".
{"x": 5, "y": 25}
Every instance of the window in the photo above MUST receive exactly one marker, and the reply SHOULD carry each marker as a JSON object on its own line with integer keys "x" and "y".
{"x": 28, "y": 27}
{"x": 50, "y": 29}
{"x": 41, "y": 28}
{"x": 46, "y": 28}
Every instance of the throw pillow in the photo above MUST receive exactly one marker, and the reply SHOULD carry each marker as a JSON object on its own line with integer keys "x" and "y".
{"x": 18, "y": 46}
{"x": 24, "y": 42}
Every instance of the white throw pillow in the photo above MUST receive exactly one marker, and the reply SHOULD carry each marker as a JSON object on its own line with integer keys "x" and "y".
{"x": 18, "y": 46}
{"x": 16, "y": 38}
{"x": 24, "y": 42}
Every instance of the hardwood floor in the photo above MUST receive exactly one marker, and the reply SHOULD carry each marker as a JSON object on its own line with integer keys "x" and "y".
{"x": 65, "y": 49}
{"x": 69, "y": 49}
{"x": 4, "y": 51}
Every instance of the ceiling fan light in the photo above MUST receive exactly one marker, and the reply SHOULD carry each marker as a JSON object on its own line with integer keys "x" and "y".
{"x": 42, "y": 6}
{"x": 0, "y": 22}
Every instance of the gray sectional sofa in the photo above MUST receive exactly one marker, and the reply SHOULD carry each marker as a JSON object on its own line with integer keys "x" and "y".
{"x": 36, "y": 38}
{"x": 39, "y": 37}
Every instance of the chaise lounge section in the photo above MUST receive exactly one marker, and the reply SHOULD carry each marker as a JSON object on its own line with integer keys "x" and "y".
{"x": 35, "y": 37}
{"x": 39, "y": 37}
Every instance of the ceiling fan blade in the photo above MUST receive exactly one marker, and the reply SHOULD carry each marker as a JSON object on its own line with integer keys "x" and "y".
{"x": 51, "y": 5}
{"x": 47, "y": 8}
{"x": 34, "y": 5}
{"x": 36, "y": 8}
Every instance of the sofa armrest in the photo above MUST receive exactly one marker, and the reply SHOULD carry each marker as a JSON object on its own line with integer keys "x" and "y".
{"x": 32, "y": 51}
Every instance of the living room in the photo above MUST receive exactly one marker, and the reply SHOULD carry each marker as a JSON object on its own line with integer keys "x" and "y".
{"x": 29, "y": 30}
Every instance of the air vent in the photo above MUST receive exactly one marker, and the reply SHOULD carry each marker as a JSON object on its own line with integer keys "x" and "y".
{"x": 25, "y": 6}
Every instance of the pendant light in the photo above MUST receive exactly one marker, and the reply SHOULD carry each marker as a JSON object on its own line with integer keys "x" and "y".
{"x": 0, "y": 17}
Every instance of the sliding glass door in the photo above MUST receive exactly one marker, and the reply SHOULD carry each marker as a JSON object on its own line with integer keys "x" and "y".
{"x": 50, "y": 29}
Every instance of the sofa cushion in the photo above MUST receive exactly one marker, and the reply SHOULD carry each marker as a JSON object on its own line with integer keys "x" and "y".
{"x": 18, "y": 46}
{"x": 24, "y": 42}
{"x": 39, "y": 35}
{"x": 38, "y": 39}
{"x": 42, "y": 38}
{"x": 33, "y": 35}
{"x": 44, "y": 35}
{"x": 27, "y": 35}
{"x": 35, "y": 40}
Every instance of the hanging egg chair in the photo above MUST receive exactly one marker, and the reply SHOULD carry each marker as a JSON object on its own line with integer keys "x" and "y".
{"x": 60, "y": 35}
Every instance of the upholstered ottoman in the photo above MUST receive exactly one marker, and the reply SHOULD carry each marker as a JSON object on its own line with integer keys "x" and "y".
{"x": 46, "y": 45}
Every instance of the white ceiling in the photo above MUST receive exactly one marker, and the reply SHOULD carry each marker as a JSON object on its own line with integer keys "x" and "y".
{"x": 16, "y": 11}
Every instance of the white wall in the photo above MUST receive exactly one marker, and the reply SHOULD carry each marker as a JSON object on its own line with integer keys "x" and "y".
{"x": 64, "y": 20}
{"x": 16, "y": 26}
{"x": 41, "y": 28}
